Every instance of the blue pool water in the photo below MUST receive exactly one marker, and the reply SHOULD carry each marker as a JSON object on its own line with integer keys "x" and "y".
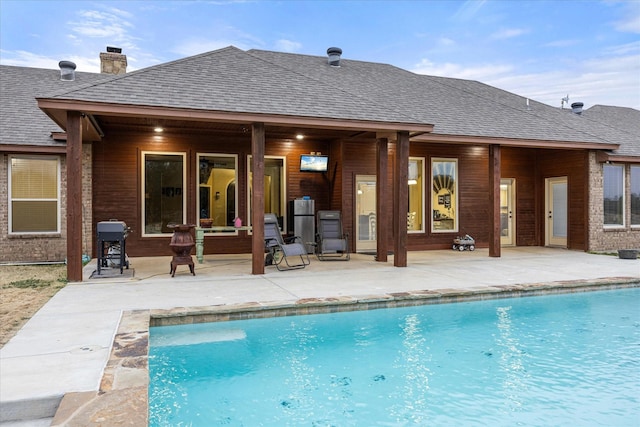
{"x": 542, "y": 361}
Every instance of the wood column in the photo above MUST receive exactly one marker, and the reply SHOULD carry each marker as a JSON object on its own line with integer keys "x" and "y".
{"x": 401, "y": 200}
{"x": 74, "y": 196}
{"x": 494, "y": 200}
{"x": 257, "y": 198}
{"x": 382, "y": 198}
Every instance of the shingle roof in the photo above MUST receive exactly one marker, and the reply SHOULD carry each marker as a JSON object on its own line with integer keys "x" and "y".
{"x": 21, "y": 121}
{"x": 455, "y": 107}
{"x": 626, "y": 120}
{"x": 273, "y": 83}
{"x": 231, "y": 80}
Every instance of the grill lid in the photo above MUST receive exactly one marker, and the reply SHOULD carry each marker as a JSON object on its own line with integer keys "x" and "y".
{"x": 111, "y": 227}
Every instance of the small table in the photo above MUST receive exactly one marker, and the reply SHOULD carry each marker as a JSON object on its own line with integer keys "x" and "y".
{"x": 200, "y": 232}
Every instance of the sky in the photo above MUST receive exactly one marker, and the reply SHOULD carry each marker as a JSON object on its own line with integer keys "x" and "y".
{"x": 588, "y": 50}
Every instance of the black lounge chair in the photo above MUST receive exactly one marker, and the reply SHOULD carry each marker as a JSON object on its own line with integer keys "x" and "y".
{"x": 283, "y": 254}
{"x": 331, "y": 242}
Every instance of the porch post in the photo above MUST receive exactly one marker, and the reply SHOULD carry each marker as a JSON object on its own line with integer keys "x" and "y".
{"x": 401, "y": 200}
{"x": 257, "y": 198}
{"x": 74, "y": 196}
{"x": 382, "y": 197}
{"x": 494, "y": 200}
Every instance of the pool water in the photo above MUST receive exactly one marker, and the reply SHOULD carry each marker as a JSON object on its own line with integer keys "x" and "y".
{"x": 552, "y": 360}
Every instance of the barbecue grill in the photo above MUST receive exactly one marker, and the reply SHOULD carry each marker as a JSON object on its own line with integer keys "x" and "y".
{"x": 112, "y": 237}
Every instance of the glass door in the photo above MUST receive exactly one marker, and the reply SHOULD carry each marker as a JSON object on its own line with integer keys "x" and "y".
{"x": 365, "y": 212}
{"x": 557, "y": 212}
{"x": 507, "y": 212}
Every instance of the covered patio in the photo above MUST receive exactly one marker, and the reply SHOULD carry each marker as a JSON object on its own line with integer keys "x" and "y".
{"x": 364, "y": 275}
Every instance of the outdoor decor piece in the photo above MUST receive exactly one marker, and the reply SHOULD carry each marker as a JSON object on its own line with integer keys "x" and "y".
{"x": 181, "y": 244}
{"x": 628, "y": 253}
{"x": 462, "y": 243}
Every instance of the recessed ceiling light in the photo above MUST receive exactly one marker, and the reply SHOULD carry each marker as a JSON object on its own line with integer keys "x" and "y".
{"x": 158, "y": 129}
{"x": 299, "y": 136}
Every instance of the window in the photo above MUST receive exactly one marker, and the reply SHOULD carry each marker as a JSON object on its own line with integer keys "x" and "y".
{"x": 415, "y": 214}
{"x": 274, "y": 188}
{"x": 163, "y": 192}
{"x": 635, "y": 196}
{"x": 444, "y": 195}
{"x": 34, "y": 194}
{"x": 217, "y": 198}
{"x": 613, "y": 195}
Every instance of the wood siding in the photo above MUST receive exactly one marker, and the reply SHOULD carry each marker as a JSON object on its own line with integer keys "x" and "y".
{"x": 520, "y": 164}
{"x": 117, "y": 185}
{"x": 573, "y": 165}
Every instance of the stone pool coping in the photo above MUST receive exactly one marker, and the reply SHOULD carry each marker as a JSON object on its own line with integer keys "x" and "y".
{"x": 122, "y": 398}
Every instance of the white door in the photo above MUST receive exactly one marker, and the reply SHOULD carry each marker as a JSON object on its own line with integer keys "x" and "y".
{"x": 507, "y": 212}
{"x": 556, "y": 211}
{"x": 365, "y": 212}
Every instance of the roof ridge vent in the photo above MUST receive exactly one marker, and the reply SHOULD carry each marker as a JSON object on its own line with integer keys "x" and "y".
{"x": 67, "y": 70}
{"x": 334, "y": 56}
{"x": 576, "y": 107}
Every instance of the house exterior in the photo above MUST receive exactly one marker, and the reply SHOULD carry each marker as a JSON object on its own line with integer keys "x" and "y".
{"x": 614, "y": 197}
{"x": 413, "y": 160}
{"x": 32, "y": 149}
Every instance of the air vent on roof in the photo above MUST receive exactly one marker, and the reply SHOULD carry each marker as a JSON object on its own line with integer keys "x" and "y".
{"x": 67, "y": 70}
{"x": 576, "y": 107}
{"x": 334, "y": 56}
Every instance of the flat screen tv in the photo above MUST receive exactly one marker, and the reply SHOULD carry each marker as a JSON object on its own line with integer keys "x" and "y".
{"x": 313, "y": 163}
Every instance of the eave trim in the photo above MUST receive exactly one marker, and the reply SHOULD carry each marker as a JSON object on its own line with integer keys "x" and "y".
{"x": 510, "y": 142}
{"x": 35, "y": 149}
{"x": 53, "y": 106}
{"x": 607, "y": 157}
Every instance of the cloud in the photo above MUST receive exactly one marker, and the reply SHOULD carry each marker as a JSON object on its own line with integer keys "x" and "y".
{"x": 458, "y": 71}
{"x": 607, "y": 80}
{"x": 468, "y": 10}
{"x": 445, "y": 42}
{"x": 508, "y": 33}
{"x": 562, "y": 43}
{"x": 197, "y": 46}
{"x": 104, "y": 25}
{"x": 288, "y": 45}
{"x": 21, "y": 58}
{"x": 631, "y": 22}
{"x": 623, "y": 49}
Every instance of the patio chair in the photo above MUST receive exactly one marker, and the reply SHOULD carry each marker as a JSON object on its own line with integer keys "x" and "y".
{"x": 331, "y": 243}
{"x": 285, "y": 254}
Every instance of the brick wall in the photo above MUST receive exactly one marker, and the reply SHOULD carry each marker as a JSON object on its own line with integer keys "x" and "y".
{"x": 34, "y": 248}
{"x": 606, "y": 239}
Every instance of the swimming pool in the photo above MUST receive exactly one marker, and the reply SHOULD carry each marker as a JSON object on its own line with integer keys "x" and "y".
{"x": 569, "y": 359}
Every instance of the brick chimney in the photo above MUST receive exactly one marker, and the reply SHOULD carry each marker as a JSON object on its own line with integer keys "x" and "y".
{"x": 113, "y": 61}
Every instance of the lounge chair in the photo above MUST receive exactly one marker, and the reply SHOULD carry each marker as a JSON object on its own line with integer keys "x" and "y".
{"x": 286, "y": 255}
{"x": 331, "y": 242}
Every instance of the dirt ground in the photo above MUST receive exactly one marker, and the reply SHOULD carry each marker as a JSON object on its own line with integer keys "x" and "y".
{"x": 24, "y": 289}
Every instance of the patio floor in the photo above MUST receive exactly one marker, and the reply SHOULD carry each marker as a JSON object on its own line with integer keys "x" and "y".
{"x": 65, "y": 346}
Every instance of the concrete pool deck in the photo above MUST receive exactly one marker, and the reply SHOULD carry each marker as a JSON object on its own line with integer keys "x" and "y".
{"x": 65, "y": 347}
